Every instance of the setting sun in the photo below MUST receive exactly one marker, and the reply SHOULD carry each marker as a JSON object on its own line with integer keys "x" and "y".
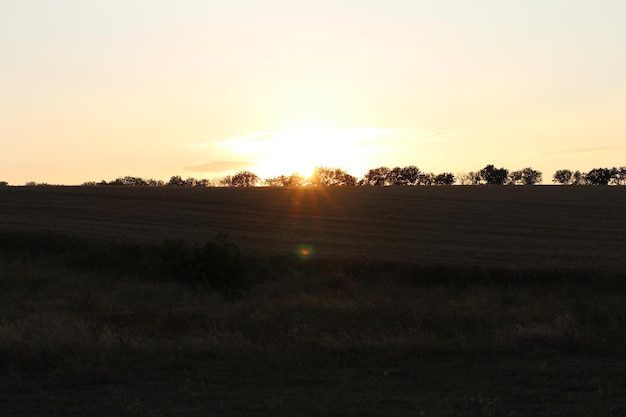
{"x": 300, "y": 149}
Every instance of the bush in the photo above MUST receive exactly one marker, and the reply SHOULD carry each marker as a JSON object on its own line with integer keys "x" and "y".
{"x": 217, "y": 263}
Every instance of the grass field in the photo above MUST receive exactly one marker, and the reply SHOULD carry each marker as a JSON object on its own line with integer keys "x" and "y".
{"x": 432, "y": 301}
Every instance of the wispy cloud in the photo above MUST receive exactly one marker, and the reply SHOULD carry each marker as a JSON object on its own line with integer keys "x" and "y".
{"x": 221, "y": 166}
{"x": 254, "y": 142}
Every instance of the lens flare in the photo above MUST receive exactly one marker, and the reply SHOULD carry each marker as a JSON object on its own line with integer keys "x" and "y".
{"x": 305, "y": 251}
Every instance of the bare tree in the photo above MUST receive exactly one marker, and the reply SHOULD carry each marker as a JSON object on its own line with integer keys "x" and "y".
{"x": 227, "y": 181}
{"x": 468, "y": 178}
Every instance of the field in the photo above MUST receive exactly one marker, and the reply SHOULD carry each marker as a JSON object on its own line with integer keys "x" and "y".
{"x": 403, "y": 301}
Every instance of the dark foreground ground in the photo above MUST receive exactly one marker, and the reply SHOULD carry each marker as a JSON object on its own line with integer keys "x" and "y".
{"x": 349, "y": 384}
{"x": 121, "y": 323}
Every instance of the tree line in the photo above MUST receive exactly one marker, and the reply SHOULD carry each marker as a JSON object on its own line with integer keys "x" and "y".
{"x": 381, "y": 176}
{"x": 597, "y": 176}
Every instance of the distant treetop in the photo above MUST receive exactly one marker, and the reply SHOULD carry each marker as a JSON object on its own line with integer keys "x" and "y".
{"x": 383, "y": 176}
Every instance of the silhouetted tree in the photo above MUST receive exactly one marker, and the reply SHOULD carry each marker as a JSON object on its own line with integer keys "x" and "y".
{"x": 175, "y": 181}
{"x": 376, "y": 176}
{"x": 578, "y": 178}
{"x": 278, "y": 181}
{"x": 426, "y": 178}
{"x": 410, "y": 175}
{"x": 619, "y": 177}
{"x": 154, "y": 183}
{"x": 293, "y": 180}
{"x": 4, "y": 184}
{"x": 331, "y": 177}
{"x": 245, "y": 179}
{"x": 203, "y": 183}
{"x": 445, "y": 178}
{"x": 347, "y": 179}
{"x": 563, "y": 176}
{"x": 526, "y": 176}
{"x": 493, "y": 175}
{"x": 515, "y": 178}
{"x": 190, "y": 182}
{"x": 531, "y": 176}
{"x": 129, "y": 181}
{"x": 227, "y": 181}
{"x": 475, "y": 177}
{"x": 599, "y": 176}
{"x": 395, "y": 177}
{"x": 404, "y": 176}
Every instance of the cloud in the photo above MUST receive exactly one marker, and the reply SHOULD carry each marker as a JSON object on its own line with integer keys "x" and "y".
{"x": 221, "y": 166}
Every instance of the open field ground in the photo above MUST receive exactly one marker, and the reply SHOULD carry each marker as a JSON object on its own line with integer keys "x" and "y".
{"x": 412, "y": 301}
{"x": 547, "y": 226}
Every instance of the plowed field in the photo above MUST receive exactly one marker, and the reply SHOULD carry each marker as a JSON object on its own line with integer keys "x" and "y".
{"x": 541, "y": 226}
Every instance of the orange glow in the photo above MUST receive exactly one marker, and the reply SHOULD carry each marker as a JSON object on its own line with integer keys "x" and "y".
{"x": 302, "y": 148}
{"x": 305, "y": 251}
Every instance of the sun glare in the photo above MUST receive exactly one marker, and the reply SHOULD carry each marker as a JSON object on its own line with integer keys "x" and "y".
{"x": 302, "y": 148}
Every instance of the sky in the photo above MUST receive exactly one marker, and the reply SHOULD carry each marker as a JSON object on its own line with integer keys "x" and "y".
{"x": 94, "y": 90}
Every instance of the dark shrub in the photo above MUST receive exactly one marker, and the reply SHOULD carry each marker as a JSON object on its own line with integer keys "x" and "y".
{"x": 217, "y": 263}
